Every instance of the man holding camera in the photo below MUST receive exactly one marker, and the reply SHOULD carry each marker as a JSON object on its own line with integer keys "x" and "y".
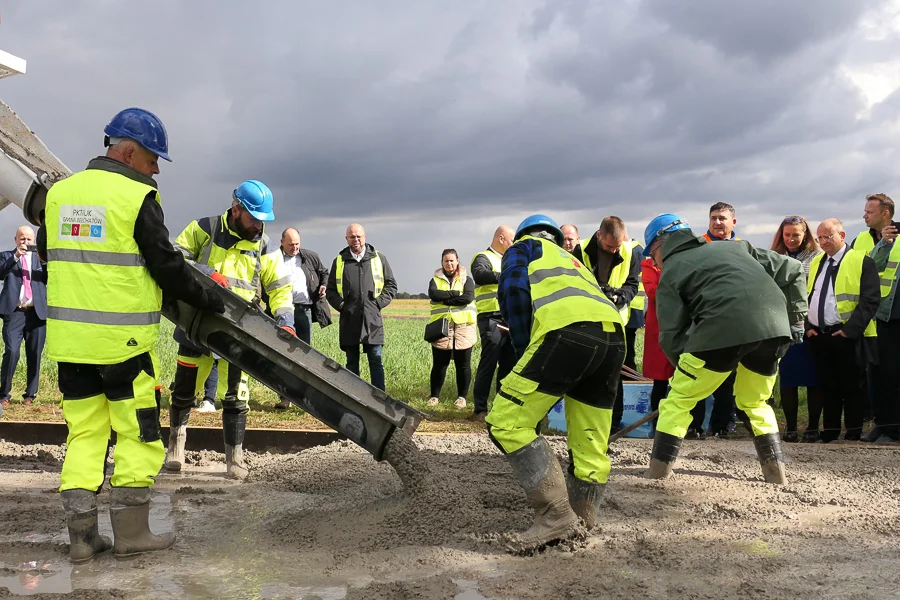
{"x": 23, "y": 307}
{"x": 617, "y": 267}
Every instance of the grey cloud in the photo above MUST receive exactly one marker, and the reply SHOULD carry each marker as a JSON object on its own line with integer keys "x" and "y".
{"x": 413, "y": 116}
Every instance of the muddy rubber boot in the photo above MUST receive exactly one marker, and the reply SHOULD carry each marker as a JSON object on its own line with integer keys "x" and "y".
{"x": 540, "y": 475}
{"x": 85, "y": 540}
{"x": 771, "y": 457}
{"x": 665, "y": 451}
{"x": 129, "y": 512}
{"x": 233, "y": 426}
{"x": 178, "y": 420}
{"x": 585, "y": 498}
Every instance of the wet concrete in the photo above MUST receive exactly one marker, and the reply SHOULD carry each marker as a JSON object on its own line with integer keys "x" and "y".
{"x": 330, "y": 523}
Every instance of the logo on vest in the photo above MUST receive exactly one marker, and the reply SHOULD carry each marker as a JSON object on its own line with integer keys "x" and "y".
{"x": 87, "y": 223}
{"x": 132, "y": 342}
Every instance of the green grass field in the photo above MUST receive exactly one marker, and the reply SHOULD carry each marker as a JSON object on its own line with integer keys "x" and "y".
{"x": 407, "y": 363}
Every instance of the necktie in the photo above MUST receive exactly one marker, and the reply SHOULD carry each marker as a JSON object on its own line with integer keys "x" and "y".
{"x": 823, "y": 293}
{"x": 26, "y": 277}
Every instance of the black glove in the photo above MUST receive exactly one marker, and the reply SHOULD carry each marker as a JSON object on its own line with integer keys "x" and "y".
{"x": 212, "y": 302}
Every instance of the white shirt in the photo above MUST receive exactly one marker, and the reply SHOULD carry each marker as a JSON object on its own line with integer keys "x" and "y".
{"x": 831, "y": 312}
{"x": 298, "y": 279}
{"x": 27, "y": 267}
{"x": 358, "y": 257}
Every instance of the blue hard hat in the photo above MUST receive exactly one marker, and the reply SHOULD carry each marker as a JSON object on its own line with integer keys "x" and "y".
{"x": 665, "y": 223}
{"x": 143, "y": 127}
{"x": 543, "y": 221}
{"x": 257, "y": 198}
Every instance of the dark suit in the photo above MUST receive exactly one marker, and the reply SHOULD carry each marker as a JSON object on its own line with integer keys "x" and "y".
{"x": 18, "y": 324}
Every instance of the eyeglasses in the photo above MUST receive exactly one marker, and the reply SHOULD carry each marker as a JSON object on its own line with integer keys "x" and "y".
{"x": 823, "y": 238}
{"x": 355, "y": 237}
{"x": 793, "y": 219}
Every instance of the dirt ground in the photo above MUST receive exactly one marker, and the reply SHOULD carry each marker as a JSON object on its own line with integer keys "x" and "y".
{"x": 331, "y": 523}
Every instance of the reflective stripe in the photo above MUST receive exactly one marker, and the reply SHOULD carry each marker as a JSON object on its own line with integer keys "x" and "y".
{"x": 440, "y": 311}
{"x": 488, "y": 296}
{"x": 96, "y": 317}
{"x": 563, "y": 293}
{"x": 240, "y": 284}
{"x": 845, "y": 316}
{"x": 847, "y": 298}
{"x": 206, "y": 225}
{"x": 286, "y": 280}
{"x": 96, "y": 257}
{"x": 887, "y": 282}
{"x": 641, "y": 294}
{"x": 542, "y": 274}
{"x": 892, "y": 265}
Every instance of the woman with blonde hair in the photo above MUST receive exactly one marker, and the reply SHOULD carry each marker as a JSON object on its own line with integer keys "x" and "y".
{"x": 452, "y": 294}
{"x": 794, "y": 238}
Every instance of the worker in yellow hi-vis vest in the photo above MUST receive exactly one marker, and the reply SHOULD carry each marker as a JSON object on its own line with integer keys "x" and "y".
{"x": 109, "y": 257}
{"x": 360, "y": 285}
{"x": 569, "y": 342}
{"x": 234, "y": 249}
{"x": 496, "y": 352}
{"x": 617, "y": 269}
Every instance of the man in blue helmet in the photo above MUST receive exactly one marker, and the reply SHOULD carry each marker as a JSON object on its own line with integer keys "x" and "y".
{"x": 712, "y": 325}
{"x": 235, "y": 251}
{"x": 570, "y": 342}
{"x": 111, "y": 263}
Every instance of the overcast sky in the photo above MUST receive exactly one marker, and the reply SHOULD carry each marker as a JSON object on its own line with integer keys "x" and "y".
{"x": 433, "y": 122}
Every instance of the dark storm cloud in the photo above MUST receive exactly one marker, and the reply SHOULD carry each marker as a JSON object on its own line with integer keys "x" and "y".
{"x": 433, "y": 122}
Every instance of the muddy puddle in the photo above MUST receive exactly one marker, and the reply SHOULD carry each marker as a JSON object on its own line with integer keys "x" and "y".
{"x": 330, "y": 523}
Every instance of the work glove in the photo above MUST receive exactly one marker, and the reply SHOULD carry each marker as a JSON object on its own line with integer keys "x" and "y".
{"x": 212, "y": 302}
{"x": 220, "y": 279}
{"x": 798, "y": 332}
{"x": 289, "y": 329}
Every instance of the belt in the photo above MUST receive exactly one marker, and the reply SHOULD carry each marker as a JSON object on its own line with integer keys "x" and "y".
{"x": 24, "y": 308}
{"x": 304, "y": 305}
{"x": 829, "y": 329}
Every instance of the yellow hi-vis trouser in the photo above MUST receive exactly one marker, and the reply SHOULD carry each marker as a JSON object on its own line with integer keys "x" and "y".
{"x": 693, "y": 382}
{"x": 580, "y": 362}
{"x": 192, "y": 371}
{"x": 121, "y": 397}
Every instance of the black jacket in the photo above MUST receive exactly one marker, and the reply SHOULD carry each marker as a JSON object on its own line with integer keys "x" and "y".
{"x": 360, "y": 310}
{"x": 869, "y": 298}
{"x": 629, "y": 289}
{"x": 166, "y": 264}
{"x": 316, "y": 276}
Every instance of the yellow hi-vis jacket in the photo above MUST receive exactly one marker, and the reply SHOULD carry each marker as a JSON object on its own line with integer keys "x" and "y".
{"x": 486, "y": 295}
{"x": 619, "y": 273}
{"x": 103, "y": 307}
{"x": 246, "y": 264}
{"x": 563, "y": 293}
{"x": 846, "y": 284}
{"x": 461, "y": 315}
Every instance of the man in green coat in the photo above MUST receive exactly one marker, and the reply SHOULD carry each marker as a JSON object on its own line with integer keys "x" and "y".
{"x": 722, "y": 307}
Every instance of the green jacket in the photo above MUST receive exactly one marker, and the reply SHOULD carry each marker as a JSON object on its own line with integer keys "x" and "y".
{"x": 713, "y": 296}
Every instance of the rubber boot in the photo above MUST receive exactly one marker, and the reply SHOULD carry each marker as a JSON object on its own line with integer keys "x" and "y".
{"x": 771, "y": 457}
{"x": 129, "y": 512}
{"x": 585, "y": 498}
{"x": 665, "y": 451}
{"x": 540, "y": 475}
{"x": 178, "y": 420}
{"x": 233, "y": 427}
{"x": 81, "y": 518}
